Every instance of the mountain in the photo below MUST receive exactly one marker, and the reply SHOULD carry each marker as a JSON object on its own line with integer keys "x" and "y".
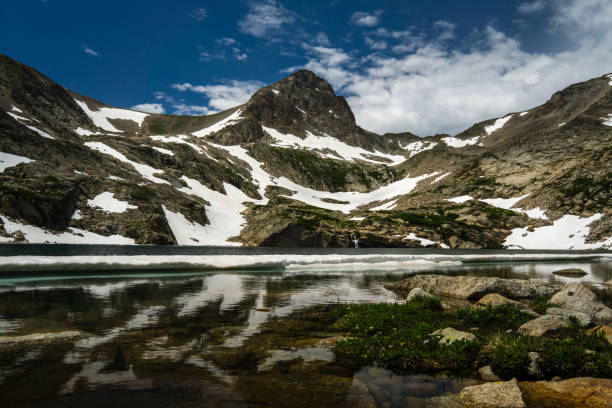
{"x": 292, "y": 168}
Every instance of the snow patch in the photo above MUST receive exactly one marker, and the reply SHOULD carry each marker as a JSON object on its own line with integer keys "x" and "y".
{"x": 187, "y": 232}
{"x": 440, "y": 178}
{"x": 523, "y": 113}
{"x": 320, "y": 144}
{"x": 607, "y": 120}
{"x": 180, "y": 139}
{"x": 163, "y": 151}
{"x": 10, "y": 160}
{"x": 107, "y": 202}
{"x": 499, "y": 123}
{"x": 40, "y": 132}
{"x": 100, "y": 117}
{"x": 84, "y": 132}
{"x": 357, "y": 219}
{"x": 275, "y": 92}
{"x": 17, "y": 117}
{"x": 609, "y": 76}
{"x": 145, "y": 171}
{"x": 230, "y": 120}
{"x": 568, "y": 232}
{"x": 460, "y": 199}
{"x": 505, "y": 203}
{"x": 36, "y": 235}
{"x": 16, "y": 109}
{"x": 417, "y": 147}
{"x": 456, "y": 142}
{"x": 422, "y": 241}
{"x": 562, "y": 124}
{"x": 115, "y": 178}
{"x": 387, "y": 206}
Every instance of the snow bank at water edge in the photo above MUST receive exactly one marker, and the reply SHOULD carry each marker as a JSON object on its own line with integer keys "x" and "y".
{"x": 9, "y": 160}
{"x": 568, "y": 232}
{"x": 100, "y": 117}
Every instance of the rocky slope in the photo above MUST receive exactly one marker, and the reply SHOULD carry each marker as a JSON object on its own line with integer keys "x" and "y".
{"x": 291, "y": 168}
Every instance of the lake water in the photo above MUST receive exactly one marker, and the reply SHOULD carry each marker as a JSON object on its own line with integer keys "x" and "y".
{"x": 222, "y": 327}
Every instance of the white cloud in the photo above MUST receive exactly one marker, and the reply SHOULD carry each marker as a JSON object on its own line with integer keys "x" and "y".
{"x": 198, "y": 14}
{"x": 225, "y": 96}
{"x": 265, "y": 17}
{"x": 429, "y": 87}
{"x": 362, "y": 18}
{"x": 149, "y": 107}
{"x": 375, "y": 44}
{"x": 182, "y": 109}
{"x": 226, "y": 41}
{"x": 446, "y": 30}
{"x": 90, "y": 51}
{"x": 531, "y": 7}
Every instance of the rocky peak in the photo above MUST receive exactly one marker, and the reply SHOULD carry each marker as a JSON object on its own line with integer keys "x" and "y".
{"x": 302, "y": 102}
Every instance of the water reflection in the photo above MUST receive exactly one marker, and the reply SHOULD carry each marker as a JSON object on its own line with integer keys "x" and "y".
{"x": 238, "y": 339}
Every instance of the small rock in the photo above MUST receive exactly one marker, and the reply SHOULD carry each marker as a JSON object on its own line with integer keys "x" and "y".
{"x": 577, "y": 297}
{"x": 497, "y": 300}
{"x": 570, "y": 272}
{"x": 418, "y": 292}
{"x": 603, "y": 329}
{"x": 609, "y": 283}
{"x": 544, "y": 324}
{"x": 450, "y": 335}
{"x": 492, "y": 395}
{"x": 582, "y": 392}
{"x": 583, "y": 318}
{"x": 509, "y": 331}
{"x": 18, "y": 236}
{"x": 534, "y": 365}
{"x": 487, "y": 374}
{"x": 556, "y": 378}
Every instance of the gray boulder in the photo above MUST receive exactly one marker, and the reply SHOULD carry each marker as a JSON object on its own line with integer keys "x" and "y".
{"x": 497, "y": 300}
{"x": 492, "y": 395}
{"x": 544, "y": 324}
{"x": 418, "y": 292}
{"x": 534, "y": 365}
{"x": 473, "y": 287}
{"x": 487, "y": 374}
{"x": 583, "y": 318}
{"x": 579, "y": 298}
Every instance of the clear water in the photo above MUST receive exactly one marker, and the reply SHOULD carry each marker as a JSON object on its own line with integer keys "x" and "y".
{"x": 190, "y": 336}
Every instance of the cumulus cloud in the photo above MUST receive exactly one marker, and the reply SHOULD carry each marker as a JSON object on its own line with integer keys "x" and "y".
{"x": 90, "y": 51}
{"x": 198, "y": 14}
{"x": 265, "y": 17}
{"x": 224, "y": 96}
{"x": 193, "y": 110}
{"x": 362, "y": 18}
{"x": 427, "y": 87}
{"x": 531, "y": 7}
{"x": 149, "y": 107}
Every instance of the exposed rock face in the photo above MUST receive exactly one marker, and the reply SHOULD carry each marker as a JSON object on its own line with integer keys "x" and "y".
{"x": 573, "y": 393}
{"x": 544, "y": 324}
{"x": 450, "y": 335}
{"x": 492, "y": 395}
{"x": 472, "y": 288}
{"x": 497, "y": 300}
{"x": 578, "y": 298}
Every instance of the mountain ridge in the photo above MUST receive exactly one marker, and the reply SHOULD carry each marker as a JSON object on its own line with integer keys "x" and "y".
{"x": 291, "y": 167}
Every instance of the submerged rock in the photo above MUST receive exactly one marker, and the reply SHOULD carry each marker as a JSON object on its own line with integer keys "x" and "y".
{"x": 472, "y": 287}
{"x": 581, "y": 392}
{"x": 576, "y": 296}
{"x": 570, "y": 272}
{"x": 544, "y": 324}
{"x": 450, "y": 335}
{"x": 497, "y": 300}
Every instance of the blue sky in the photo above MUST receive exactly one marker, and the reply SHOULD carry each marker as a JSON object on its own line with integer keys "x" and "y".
{"x": 425, "y": 67}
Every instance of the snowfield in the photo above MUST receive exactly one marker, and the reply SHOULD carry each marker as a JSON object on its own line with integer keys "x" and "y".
{"x": 498, "y": 124}
{"x": 9, "y": 160}
{"x": 230, "y": 120}
{"x": 101, "y": 116}
{"x": 107, "y": 202}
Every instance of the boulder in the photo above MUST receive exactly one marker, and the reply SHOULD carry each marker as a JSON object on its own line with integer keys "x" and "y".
{"x": 602, "y": 329}
{"x": 492, "y": 395}
{"x": 579, "y": 298}
{"x": 608, "y": 283}
{"x": 583, "y": 318}
{"x": 418, "y": 292}
{"x": 544, "y": 324}
{"x": 472, "y": 287}
{"x": 534, "y": 365}
{"x": 487, "y": 374}
{"x": 570, "y": 272}
{"x": 497, "y": 300}
{"x": 450, "y": 335}
{"x": 581, "y": 392}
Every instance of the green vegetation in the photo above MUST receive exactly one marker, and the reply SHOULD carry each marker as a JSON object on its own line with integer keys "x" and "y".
{"x": 313, "y": 217}
{"x": 485, "y": 181}
{"x": 428, "y": 219}
{"x": 398, "y": 336}
{"x": 539, "y": 304}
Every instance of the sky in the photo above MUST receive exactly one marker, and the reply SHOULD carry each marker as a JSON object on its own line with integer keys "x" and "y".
{"x": 426, "y": 67}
